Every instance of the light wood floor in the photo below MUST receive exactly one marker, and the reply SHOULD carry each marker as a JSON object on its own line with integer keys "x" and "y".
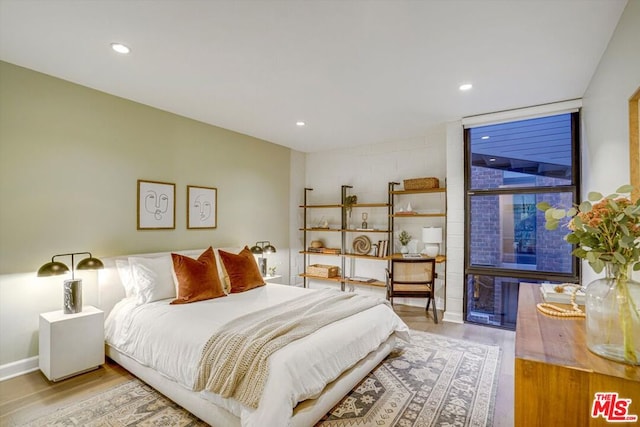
{"x": 30, "y": 395}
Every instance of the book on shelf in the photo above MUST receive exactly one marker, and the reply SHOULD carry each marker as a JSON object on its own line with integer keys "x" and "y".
{"x": 333, "y": 251}
{"x": 561, "y": 293}
{"x": 361, "y": 279}
{"x": 412, "y": 256}
{"x": 383, "y": 246}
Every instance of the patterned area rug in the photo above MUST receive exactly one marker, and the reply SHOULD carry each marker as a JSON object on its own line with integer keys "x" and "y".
{"x": 433, "y": 381}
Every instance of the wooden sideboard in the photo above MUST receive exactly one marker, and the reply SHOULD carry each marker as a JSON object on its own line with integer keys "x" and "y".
{"x": 556, "y": 376}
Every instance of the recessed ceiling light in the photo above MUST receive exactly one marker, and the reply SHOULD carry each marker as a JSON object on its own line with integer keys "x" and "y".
{"x": 484, "y": 137}
{"x": 120, "y": 48}
{"x": 466, "y": 86}
{"x": 300, "y": 124}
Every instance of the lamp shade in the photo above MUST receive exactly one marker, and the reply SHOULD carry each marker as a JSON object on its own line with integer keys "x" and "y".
{"x": 263, "y": 247}
{"x": 432, "y": 235}
{"x": 53, "y": 268}
{"x": 90, "y": 264}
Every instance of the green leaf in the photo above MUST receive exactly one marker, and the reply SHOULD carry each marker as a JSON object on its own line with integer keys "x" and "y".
{"x": 594, "y": 196}
{"x": 585, "y": 207}
{"x": 580, "y": 253}
{"x": 597, "y": 265}
{"x": 618, "y": 256}
{"x": 551, "y": 225}
{"x": 572, "y": 212}
{"x": 577, "y": 221}
{"x": 558, "y": 214}
{"x": 543, "y": 206}
{"x": 590, "y": 229}
{"x": 625, "y": 189}
{"x": 606, "y": 258}
{"x": 548, "y": 214}
{"x": 572, "y": 238}
{"x": 636, "y": 266}
{"x": 591, "y": 257}
{"x": 624, "y": 229}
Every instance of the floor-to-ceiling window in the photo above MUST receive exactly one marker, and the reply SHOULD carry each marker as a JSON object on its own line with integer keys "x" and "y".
{"x": 510, "y": 167}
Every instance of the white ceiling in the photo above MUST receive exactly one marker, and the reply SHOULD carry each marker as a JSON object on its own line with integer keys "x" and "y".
{"x": 358, "y": 72}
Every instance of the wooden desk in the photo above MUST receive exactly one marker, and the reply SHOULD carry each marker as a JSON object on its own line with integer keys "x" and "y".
{"x": 556, "y": 376}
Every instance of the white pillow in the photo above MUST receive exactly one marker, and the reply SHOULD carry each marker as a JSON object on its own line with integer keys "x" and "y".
{"x": 153, "y": 278}
{"x": 126, "y": 276}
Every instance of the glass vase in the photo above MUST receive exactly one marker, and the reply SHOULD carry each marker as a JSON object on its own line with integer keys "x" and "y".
{"x": 612, "y": 317}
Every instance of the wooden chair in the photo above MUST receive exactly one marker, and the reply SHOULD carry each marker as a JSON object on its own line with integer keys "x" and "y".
{"x": 413, "y": 278}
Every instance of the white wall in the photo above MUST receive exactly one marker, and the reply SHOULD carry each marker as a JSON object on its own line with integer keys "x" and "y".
{"x": 605, "y": 152}
{"x": 296, "y": 195}
{"x": 455, "y": 223}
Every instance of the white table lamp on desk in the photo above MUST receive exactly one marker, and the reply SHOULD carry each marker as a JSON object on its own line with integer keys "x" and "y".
{"x": 431, "y": 237}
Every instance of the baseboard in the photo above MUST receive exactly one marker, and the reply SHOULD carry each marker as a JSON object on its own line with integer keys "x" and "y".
{"x": 19, "y": 367}
{"x": 452, "y": 317}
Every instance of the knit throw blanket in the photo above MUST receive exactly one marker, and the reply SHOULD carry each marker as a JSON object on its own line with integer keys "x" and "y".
{"x": 234, "y": 362}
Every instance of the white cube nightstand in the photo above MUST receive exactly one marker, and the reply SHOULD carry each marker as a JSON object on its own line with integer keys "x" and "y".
{"x": 71, "y": 344}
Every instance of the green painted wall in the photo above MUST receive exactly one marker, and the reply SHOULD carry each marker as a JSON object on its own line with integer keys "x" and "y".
{"x": 70, "y": 158}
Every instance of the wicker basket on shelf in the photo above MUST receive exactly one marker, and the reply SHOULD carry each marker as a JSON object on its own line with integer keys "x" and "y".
{"x": 421, "y": 183}
{"x": 321, "y": 270}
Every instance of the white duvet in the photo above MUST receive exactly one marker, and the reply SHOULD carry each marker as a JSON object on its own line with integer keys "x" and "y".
{"x": 170, "y": 338}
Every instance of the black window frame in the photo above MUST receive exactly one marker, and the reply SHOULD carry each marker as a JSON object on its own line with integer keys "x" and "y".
{"x": 574, "y": 188}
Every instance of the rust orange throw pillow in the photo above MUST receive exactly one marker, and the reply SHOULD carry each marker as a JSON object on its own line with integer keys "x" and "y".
{"x": 241, "y": 271}
{"x": 197, "y": 279}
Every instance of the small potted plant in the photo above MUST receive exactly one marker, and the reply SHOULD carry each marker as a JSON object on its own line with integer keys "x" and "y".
{"x": 404, "y": 238}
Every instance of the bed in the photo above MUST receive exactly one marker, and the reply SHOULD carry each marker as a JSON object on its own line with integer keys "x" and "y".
{"x": 162, "y": 344}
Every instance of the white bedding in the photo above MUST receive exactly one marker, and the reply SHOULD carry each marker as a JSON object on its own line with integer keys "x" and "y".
{"x": 169, "y": 339}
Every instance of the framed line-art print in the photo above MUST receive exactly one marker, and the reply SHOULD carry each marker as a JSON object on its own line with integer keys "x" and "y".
{"x": 202, "y": 207}
{"x": 156, "y": 205}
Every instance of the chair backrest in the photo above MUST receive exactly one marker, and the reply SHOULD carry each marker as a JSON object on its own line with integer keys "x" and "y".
{"x": 422, "y": 270}
{"x": 412, "y": 275}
